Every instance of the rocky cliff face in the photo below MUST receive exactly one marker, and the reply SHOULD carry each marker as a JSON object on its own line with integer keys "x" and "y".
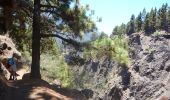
{"x": 147, "y": 77}
{"x": 151, "y": 64}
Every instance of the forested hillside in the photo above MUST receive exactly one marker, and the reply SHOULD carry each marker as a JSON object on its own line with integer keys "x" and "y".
{"x": 155, "y": 20}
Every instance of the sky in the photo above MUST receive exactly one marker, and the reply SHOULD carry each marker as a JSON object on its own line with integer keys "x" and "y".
{"x": 116, "y": 12}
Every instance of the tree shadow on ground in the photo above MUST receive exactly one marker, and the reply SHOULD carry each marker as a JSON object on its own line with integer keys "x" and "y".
{"x": 37, "y": 90}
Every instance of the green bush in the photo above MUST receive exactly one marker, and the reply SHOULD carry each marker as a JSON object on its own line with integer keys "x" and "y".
{"x": 121, "y": 50}
{"x": 115, "y": 47}
{"x": 54, "y": 67}
{"x": 157, "y": 33}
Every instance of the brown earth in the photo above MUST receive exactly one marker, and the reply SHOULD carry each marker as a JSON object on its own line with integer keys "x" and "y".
{"x": 36, "y": 90}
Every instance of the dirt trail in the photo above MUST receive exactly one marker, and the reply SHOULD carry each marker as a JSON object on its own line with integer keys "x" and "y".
{"x": 36, "y": 90}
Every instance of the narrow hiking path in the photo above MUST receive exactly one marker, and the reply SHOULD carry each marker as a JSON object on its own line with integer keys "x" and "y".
{"x": 34, "y": 90}
{"x": 28, "y": 89}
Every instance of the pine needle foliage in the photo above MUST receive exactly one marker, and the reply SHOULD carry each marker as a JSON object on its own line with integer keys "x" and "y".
{"x": 115, "y": 48}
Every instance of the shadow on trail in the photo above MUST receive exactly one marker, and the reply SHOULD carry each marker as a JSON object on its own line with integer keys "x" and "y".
{"x": 35, "y": 90}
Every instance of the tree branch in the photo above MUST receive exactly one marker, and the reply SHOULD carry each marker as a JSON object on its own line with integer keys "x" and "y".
{"x": 71, "y": 41}
{"x": 76, "y": 44}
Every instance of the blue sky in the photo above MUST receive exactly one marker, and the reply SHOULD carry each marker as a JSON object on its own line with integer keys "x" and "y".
{"x": 115, "y": 12}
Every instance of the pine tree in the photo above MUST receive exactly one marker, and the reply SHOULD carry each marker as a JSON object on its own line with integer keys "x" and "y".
{"x": 146, "y": 24}
{"x": 143, "y": 14}
{"x": 122, "y": 29}
{"x": 139, "y": 22}
{"x": 152, "y": 20}
{"x": 35, "y": 68}
{"x": 119, "y": 30}
{"x": 115, "y": 30}
{"x": 168, "y": 19}
{"x": 127, "y": 27}
{"x": 163, "y": 19}
{"x": 158, "y": 20}
{"x": 131, "y": 25}
{"x": 155, "y": 18}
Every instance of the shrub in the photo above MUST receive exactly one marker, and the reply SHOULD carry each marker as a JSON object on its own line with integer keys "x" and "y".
{"x": 54, "y": 67}
{"x": 157, "y": 33}
{"x": 115, "y": 47}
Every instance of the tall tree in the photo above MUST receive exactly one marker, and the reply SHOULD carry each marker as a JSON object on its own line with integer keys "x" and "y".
{"x": 152, "y": 20}
{"x": 115, "y": 30}
{"x": 146, "y": 24}
{"x": 139, "y": 22}
{"x": 163, "y": 19}
{"x": 122, "y": 29}
{"x": 143, "y": 14}
{"x": 74, "y": 21}
{"x": 168, "y": 19}
{"x": 143, "y": 17}
{"x": 132, "y": 25}
{"x": 35, "y": 67}
{"x": 119, "y": 30}
{"x": 158, "y": 20}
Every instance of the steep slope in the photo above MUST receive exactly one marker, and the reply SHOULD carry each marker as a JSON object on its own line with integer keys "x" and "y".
{"x": 149, "y": 69}
{"x": 151, "y": 62}
{"x": 146, "y": 77}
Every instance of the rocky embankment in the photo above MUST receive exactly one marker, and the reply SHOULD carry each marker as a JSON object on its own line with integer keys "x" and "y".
{"x": 147, "y": 77}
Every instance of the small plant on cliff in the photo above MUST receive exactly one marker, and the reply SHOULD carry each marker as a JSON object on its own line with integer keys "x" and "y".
{"x": 157, "y": 33}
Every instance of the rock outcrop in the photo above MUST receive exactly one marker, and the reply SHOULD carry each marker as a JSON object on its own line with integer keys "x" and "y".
{"x": 150, "y": 63}
{"x": 147, "y": 77}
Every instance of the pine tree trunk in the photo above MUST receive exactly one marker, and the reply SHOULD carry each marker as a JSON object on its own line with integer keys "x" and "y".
{"x": 7, "y": 18}
{"x": 35, "y": 67}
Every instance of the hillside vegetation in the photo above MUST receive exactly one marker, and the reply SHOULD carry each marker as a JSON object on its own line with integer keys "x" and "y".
{"x": 115, "y": 47}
